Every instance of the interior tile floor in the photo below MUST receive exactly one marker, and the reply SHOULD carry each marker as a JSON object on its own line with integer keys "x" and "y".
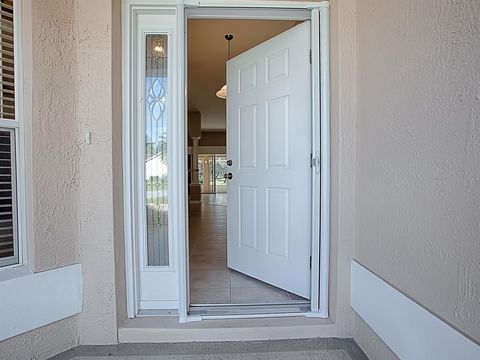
{"x": 211, "y": 282}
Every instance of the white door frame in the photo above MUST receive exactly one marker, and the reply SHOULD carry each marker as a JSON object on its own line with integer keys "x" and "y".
{"x": 177, "y": 162}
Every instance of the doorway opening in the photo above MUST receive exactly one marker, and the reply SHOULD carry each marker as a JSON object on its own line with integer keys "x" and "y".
{"x": 222, "y": 280}
{"x": 212, "y": 169}
{"x": 155, "y": 153}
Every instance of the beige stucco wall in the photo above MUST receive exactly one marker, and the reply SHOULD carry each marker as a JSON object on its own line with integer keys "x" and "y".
{"x": 342, "y": 71}
{"x": 417, "y": 221}
{"x": 52, "y": 177}
{"x": 369, "y": 341}
{"x": 82, "y": 57}
{"x": 67, "y": 50}
{"x": 97, "y": 322}
{"x": 119, "y": 241}
{"x": 404, "y": 178}
{"x": 54, "y": 133}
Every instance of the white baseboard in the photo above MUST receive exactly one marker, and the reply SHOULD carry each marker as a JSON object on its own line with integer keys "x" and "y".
{"x": 409, "y": 330}
{"x": 30, "y": 301}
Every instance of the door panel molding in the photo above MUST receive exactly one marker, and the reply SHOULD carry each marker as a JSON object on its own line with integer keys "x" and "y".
{"x": 272, "y": 116}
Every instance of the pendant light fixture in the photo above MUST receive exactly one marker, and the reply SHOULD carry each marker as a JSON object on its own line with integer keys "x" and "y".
{"x": 222, "y": 93}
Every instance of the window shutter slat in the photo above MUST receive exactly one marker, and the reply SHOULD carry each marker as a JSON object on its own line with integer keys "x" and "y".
{"x": 7, "y": 196}
{"x": 7, "y": 56}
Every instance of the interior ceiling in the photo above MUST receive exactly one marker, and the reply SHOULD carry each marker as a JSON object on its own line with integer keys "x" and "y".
{"x": 207, "y": 55}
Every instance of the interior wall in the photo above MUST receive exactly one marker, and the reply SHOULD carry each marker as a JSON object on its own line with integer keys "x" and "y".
{"x": 417, "y": 220}
{"x": 211, "y": 138}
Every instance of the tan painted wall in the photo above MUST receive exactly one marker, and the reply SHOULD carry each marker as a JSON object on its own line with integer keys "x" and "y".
{"x": 342, "y": 66}
{"x": 435, "y": 136}
{"x": 417, "y": 221}
{"x": 95, "y": 221}
{"x": 54, "y": 131}
{"x": 211, "y": 138}
{"x": 52, "y": 176}
{"x": 68, "y": 90}
{"x": 119, "y": 243}
{"x": 369, "y": 342}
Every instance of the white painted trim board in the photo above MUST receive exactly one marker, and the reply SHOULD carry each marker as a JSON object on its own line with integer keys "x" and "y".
{"x": 130, "y": 226}
{"x": 409, "y": 330}
{"x": 34, "y": 300}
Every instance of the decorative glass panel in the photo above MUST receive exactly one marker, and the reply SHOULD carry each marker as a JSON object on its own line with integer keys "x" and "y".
{"x": 156, "y": 164}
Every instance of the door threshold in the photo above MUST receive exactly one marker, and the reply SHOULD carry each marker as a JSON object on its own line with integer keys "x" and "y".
{"x": 246, "y": 310}
{"x": 169, "y": 329}
{"x": 260, "y": 303}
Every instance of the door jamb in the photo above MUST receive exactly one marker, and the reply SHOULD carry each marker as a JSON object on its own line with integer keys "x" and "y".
{"x": 320, "y": 109}
{"x": 320, "y": 139}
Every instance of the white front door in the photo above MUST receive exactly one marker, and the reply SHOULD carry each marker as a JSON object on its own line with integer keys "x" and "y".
{"x": 269, "y": 144}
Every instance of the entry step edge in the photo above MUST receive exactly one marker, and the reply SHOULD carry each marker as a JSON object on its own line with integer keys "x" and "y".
{"x": 168, "y": 329}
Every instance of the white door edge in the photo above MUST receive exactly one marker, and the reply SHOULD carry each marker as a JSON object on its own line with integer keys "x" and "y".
{"x": 320, "y": 274}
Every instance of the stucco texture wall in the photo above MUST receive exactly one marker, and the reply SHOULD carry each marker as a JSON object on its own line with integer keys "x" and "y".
{"x": 54, "y": 135}
{"x": 417, "y": 218}
{"x": 52, "y": 163}
{"x": 67, "y": 48}
{"x": 342, "y": 70}
{"x": 93, "y": 101}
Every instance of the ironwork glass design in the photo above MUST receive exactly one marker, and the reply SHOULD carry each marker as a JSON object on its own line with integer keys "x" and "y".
{"x": 156, "y": 155}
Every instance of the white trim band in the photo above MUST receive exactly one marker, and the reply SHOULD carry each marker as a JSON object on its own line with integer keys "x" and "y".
{"x": 411, "y": 331}
{"x": 34, "y": 300}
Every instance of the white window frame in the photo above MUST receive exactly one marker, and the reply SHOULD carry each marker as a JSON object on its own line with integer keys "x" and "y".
{"x": 321, "y": 145}
{"x": 17, "y": 126}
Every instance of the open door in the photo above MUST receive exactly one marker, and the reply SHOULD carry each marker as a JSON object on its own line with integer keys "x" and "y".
{"x": 269, "y": 145}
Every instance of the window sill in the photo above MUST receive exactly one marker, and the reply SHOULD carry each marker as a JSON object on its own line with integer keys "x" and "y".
{"x": 41, "y": 298}
{"x": 13, "y": 272}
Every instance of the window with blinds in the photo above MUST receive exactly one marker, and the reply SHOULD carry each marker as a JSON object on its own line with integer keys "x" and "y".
{"x": 8, "y": 132}
{"x": 7, "y": 95}
{"x": 8, "y": 243}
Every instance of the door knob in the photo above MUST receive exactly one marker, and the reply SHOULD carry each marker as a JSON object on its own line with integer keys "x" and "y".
{"x": 229, "y": 162}
{"x": 228, "y": 176}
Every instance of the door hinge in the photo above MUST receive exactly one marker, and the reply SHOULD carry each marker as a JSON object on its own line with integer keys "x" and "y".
{"x": 315, "y": 162}
{"x": 310, "y": 261}
{"x": 310, "y": 56}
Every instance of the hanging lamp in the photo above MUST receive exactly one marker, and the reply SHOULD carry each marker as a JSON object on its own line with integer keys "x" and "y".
{"x": 222, "y": 93}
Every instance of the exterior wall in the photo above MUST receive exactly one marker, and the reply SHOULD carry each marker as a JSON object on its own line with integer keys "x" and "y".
{"x": 68, "y": 90}
{"x": 119, "y": 241}
{"x": 52, "y": 158}
{"x": 54, "y": 135}
{"x": 369, "y": 342}
{"x": 418, "y": 155}
{"x": 95, "y": 206}
{"x": 342, "y": 71}
{"x": 42, "y": 343}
